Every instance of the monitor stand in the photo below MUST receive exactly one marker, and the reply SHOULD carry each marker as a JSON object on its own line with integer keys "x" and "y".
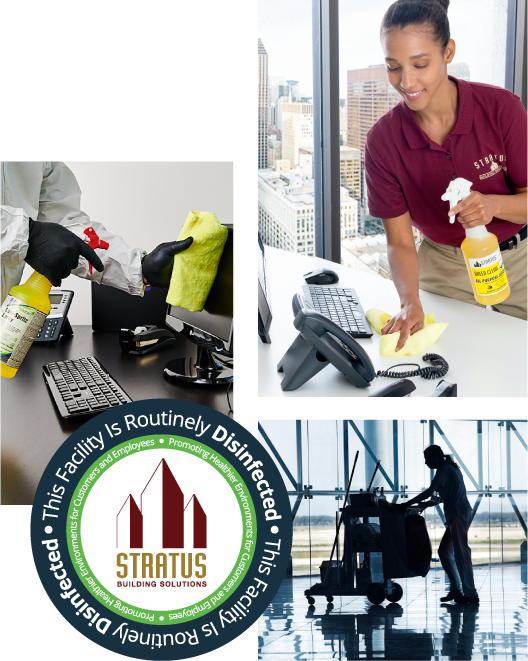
{"x": 204, "y": 369}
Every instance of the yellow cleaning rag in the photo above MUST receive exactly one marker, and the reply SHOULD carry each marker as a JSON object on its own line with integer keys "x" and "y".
{"x": 414, "y": 345}
{"x": 194, "y": 270}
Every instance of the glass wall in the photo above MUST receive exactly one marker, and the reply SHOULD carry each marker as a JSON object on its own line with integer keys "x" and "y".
{"x": 319, "y": 456}
{"x": 286, "y": 129}
{"x": 285, "y": 177}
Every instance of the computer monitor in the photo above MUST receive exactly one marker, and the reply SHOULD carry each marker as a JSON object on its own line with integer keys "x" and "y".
{"x": 264, "y": 309}
{"x": 211, "y": 330}
{"x": 113, "y": 309}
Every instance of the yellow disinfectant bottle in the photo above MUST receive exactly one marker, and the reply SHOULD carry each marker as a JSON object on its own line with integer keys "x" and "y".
{"x": 481, "y": 252}
{"x": 485, "y": 266}
{"x": 22, "y": 314}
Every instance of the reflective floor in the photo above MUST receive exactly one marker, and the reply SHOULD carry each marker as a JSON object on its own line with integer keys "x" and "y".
{"x": 417, "y": 627}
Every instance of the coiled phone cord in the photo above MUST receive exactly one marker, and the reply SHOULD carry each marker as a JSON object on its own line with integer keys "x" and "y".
{"x": 439, "y": 367}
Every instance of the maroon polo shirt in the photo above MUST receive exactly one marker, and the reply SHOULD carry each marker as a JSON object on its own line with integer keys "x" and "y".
{"x": 407, "y": 171}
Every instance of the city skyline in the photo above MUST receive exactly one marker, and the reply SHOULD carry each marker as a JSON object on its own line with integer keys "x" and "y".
{"x": 286, "y": 202}
{"x": 286, "y": 30}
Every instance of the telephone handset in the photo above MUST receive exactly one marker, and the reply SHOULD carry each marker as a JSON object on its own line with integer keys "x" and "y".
{"x": 319, "y": 343}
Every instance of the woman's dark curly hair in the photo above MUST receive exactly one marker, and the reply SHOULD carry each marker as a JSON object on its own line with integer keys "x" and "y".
{"x": 429, "y": 13}
{"x": 436, "y": 451}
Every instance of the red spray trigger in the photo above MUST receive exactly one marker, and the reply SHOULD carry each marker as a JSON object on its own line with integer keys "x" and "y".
{"x": 94, "y": 242}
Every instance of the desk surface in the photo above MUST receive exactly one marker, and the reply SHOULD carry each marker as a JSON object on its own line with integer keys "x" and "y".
{"x": 32, "y": 429}
{"x": 486, "y": 350}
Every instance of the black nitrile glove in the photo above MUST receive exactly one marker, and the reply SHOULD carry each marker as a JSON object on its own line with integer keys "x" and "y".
{"x": 157, "y": 265}
{"x": 54, "y": 251}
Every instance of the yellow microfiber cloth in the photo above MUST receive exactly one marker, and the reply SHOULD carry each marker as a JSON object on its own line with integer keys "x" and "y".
{"x": 194, "y": 269}
{"x": 414, "y": 345}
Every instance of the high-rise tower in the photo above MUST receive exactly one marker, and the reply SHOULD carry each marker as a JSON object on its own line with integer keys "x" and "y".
{"x": 263, "y": 106}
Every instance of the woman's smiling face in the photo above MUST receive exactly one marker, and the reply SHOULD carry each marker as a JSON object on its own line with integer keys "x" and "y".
{"x": 416, "y": 65}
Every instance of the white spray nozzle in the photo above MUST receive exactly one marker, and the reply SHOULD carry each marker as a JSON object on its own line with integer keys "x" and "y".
{"x": 457, "y": 190}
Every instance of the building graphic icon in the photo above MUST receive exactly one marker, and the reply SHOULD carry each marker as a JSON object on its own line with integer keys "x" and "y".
{"x": 162, "y": 519}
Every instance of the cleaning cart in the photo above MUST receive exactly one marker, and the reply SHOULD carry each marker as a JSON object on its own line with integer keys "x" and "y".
{"x": 382, "y": 542}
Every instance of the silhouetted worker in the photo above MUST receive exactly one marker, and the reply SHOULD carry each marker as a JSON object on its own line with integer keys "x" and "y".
{"x": 454, "y": 551}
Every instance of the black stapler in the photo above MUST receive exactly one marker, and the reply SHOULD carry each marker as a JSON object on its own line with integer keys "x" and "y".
{"x": 145, "y": 339}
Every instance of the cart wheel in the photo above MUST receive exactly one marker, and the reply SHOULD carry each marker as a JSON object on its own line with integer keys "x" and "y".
{"x": 376, "y": 593}
{"x": 311, "y": 601}
{"x": 397, "y": 593}
{"x": 329, "y": 598}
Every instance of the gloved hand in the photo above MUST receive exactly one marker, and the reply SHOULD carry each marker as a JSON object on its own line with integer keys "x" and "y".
{"x": 157, "y": 265}
{"x": 54, "y": 251}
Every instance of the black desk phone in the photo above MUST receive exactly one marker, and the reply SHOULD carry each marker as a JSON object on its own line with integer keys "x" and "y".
{"x": 56, "y": 323}
{"x": 319, "y": 343}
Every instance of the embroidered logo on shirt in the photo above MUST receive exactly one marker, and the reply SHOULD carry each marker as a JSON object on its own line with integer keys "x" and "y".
{"x": 493, "y": 162}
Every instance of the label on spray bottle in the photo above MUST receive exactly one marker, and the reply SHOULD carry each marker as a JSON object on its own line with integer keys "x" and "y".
{"x": 488, "y": 273}
{"x": 19, "y": 327}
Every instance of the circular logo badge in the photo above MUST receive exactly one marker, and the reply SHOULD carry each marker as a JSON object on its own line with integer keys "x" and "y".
{"x": 161, "y": 529}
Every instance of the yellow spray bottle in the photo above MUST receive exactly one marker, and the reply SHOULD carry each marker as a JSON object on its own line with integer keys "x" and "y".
{"x": 22, "y": 314}
{"x": 481, "y": 251}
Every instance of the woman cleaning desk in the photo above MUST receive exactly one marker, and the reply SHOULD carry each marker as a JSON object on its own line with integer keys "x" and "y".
{"x": 443, "y": 129}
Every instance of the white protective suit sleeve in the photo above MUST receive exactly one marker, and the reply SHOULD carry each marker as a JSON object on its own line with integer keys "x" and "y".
{"x": 60, "y": 198}
{"x": 13, "y": 246}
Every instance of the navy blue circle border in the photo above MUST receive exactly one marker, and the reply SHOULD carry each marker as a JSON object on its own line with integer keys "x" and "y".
{"x": 176, "y": 651}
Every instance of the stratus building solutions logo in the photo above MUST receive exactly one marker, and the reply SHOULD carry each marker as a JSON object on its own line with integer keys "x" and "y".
{"x": 164, "y": 517}
{"x": 161, "y": 532}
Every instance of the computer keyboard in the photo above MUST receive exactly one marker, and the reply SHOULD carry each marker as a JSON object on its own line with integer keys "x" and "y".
{"x": 82, "y": 386}
{"x": 340, "y": 305}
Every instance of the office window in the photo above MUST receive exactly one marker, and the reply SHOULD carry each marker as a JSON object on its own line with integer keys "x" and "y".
{"x": 482, "y": 30}
{"x": 492, "y": 459}
{"x": 286, "y": 180}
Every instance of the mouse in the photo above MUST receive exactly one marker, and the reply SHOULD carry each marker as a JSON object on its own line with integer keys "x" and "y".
{"x": 321, "y": 277}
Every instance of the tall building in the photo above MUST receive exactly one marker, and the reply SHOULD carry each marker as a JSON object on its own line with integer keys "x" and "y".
{"x": 286, "y": 212}
{"x": 162, "y": 506}
{"x": 129, "y": 525}
{"x": 161, "y": 519}
{"x": 369, "y": 97}
{"x": 195, "y": 522}
{"x": 350, "y": 170}
{"x": 297, "y": 129}
{"x": 278, "y": 87}
{"x": 278, "y": 111}
{"x": 263, "y": 106}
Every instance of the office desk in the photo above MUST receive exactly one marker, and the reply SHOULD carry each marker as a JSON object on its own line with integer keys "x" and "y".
{"x": 32, "y": 429}
{"x": 486, "y": 350}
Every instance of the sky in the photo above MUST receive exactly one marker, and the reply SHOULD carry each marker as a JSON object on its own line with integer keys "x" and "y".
{"x": 477, "y": 26}
{"x": 323, "y": 460}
